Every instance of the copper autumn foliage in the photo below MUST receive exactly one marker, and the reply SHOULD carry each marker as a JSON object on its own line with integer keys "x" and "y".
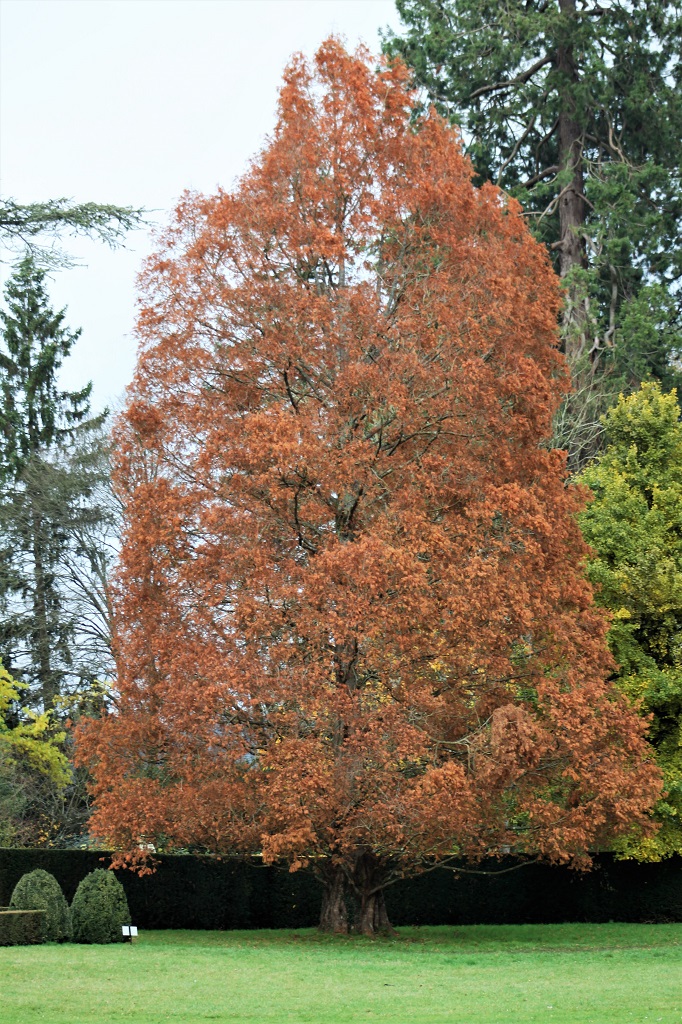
{"x": 353, "y": 628}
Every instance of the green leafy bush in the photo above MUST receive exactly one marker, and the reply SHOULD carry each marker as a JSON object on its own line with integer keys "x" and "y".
{"x": 634, "y": 526}
{"x": 22, "y": 927}
{"x": 99, "y": 908}
{"x": 39, "y": 890}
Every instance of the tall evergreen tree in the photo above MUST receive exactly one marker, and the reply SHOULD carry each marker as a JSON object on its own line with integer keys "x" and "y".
{"x": 574, "y": 107}
{"x": 42, "y": 496}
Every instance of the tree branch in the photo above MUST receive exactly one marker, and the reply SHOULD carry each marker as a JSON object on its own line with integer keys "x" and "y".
{"x": 519, "y": 80}
{"x": 541, "y": 174}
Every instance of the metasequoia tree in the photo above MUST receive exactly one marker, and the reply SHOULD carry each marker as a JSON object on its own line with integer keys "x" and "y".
{"x": 352, "y": 628}
{"x": 575, "y": 108}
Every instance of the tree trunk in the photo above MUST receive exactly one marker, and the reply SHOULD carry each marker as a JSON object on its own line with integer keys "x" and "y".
{"x": 371, "y": 917}
{"x": 572, "y": 209}
{"x": 41, "y": 635}
{"x": 333, "y": 914}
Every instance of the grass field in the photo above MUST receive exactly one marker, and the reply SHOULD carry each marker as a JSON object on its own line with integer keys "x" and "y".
{"x": 563, "y": 974}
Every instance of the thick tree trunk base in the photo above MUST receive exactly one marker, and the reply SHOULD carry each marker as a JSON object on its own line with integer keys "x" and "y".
{"x": 372, "y": 917}
{"x": 333, "y": 914}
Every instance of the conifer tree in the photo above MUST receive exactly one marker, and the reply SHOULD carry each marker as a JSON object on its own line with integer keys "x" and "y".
{"x": 41, "y": 494}
{"x": 575, "y": 108}
{"x": 352, "y": 626}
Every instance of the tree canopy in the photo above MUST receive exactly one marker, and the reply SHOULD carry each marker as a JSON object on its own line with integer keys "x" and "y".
{"x": 634, "y": 525}
{"x": 575, "y": 108}
{"x": 352, "y": 628}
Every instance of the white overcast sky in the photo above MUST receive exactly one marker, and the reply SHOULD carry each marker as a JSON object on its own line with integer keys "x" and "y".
{"x": 132, "y": 101}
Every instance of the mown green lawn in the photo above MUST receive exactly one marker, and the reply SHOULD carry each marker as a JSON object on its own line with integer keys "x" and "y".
{"x": 562, "y": 974}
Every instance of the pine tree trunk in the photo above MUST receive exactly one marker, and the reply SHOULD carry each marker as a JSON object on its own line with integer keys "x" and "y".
{"x": 572, "y": 209}
{"x": 333, "y": 914}
{"x": 372, "y": 916}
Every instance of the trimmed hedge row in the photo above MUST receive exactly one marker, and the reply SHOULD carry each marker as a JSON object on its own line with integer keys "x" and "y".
{"x": 197, "y": 892}
{"x": 22, "y": 927}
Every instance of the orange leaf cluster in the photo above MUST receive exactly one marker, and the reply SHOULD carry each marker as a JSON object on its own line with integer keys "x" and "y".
{"x": 353, "y": 628}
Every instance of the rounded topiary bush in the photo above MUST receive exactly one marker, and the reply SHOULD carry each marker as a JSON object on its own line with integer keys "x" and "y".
{"x": 99, "y": 908}
{"x": 39, "y": 890}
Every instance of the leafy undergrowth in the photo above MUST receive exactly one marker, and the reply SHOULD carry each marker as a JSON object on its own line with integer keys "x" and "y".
{"x": 570, "y": 974}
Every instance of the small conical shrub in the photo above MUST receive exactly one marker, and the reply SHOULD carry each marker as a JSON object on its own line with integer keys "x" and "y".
{"x": 39, "y": 890}
{"x": 99, "y": 908}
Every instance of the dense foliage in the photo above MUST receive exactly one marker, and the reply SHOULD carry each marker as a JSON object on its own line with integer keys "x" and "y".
{"x": 634, "y": 525}
{"x": 575, "y": 108}
{"x": 352, "y": 626}
{"x": 34, "y": 771}
{"x": 40, "y": 890}
{"x": 22, "y": 927}
{"x": 99, "y": 908}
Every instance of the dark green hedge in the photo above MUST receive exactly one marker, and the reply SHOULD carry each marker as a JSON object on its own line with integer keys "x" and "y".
{"x": 196, "y": 892}
{"x": 22, "y": 927}
{"x": 184, "y": 892}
